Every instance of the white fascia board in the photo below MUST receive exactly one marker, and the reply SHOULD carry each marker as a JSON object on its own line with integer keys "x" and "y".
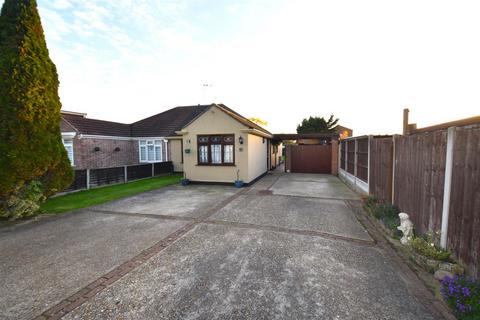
{"x": 68, "y": 135}
{"x": 181, "y": 133}
{"x": 94, "y": 136}
{"x": 257, "y": 133}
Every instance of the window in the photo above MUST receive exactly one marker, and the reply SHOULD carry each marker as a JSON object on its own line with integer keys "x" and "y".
{"x": 68, "y": 144}
{"x": 216, "y": 150}
{"x": 228, "y": 153}
{"x": 151, "y": 150}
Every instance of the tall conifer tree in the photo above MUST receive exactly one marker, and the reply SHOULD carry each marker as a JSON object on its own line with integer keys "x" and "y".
{"x": 33, "y": 161}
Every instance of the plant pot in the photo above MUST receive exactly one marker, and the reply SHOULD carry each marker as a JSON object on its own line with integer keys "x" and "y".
{"x": 238, "y": 183}
{"x": 185, "y": 182}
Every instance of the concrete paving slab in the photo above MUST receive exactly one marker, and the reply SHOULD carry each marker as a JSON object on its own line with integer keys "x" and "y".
{"x": 45, "y": 262}
{"x": 189, "y": 201}
{"x": 313, "y": 185}
{"x": 311, "y": 177}
{"x": 217, "y": 272}
{"x": 325, "y": 215}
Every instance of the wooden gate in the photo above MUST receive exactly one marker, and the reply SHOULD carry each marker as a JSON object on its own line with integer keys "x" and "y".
{"x": 311, "y": 158}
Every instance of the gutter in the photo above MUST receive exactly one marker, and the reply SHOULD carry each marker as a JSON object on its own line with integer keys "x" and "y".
{"x": 257, "y": 132}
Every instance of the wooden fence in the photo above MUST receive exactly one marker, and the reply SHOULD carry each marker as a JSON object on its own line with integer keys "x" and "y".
{"x": 411, "y": 172}
{"x": 381, "y": 168}
{"x": 88, "y": 178}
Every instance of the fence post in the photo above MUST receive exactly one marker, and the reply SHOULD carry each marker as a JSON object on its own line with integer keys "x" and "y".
{"x": 447, "y": 186}
{"x": 370, "y": 139}
{"x": 125, "y": 173}
{"x": 346, "y": 155}
{"x": 153, "y": 170}
{"x": 88, "y": 179}
{"x": 340, "y": 150}
{"x": 355, "y": 162}
{"x": 394, "y": 165}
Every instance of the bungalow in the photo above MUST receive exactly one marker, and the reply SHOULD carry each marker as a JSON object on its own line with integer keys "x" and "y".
{"x": 209, "y": 143}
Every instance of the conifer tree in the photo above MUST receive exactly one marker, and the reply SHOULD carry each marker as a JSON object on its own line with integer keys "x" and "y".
{"x": 318, "y": 125}
{"x": 33, "y": 161}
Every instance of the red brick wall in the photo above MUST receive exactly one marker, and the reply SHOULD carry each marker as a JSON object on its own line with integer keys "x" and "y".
{"x": 85, "y": 156}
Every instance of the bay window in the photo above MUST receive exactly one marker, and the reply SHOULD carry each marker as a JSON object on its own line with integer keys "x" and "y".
{"x": 151, "y": 150}
{"x": 68, "y": 144}
{"x": 216, "y": 150}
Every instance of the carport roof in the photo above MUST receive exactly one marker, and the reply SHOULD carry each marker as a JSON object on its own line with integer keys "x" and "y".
{"x": 296, "y": 136}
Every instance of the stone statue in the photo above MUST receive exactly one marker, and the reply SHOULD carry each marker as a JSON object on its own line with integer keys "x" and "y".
{"x": 406, "y": 226}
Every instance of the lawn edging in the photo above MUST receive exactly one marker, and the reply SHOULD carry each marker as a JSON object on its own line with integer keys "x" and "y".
{"x": 96, "y": 196}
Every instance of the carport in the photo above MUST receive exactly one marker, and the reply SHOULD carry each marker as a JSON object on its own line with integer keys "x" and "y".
{"x": 310, "y": 152}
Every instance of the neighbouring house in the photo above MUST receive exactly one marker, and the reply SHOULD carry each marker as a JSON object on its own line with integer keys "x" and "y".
{"x": 209, "y": 143}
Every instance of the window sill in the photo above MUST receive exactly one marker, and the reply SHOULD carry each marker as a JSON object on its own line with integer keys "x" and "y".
{"x": 147, "y": 162}
{"x": 216, "y": 165}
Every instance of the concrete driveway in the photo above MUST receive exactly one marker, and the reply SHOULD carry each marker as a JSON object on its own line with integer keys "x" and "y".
{"x": 289, "y": 247}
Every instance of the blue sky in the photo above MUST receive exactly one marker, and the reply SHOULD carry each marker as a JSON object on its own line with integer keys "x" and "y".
{"x": 279, "y": 60}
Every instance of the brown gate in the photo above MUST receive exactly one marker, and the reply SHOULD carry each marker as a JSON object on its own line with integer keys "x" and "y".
{"x": 311, "y": 158}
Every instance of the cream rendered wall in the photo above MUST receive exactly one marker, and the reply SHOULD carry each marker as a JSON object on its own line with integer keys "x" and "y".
{"x": 215, "y": 121}
{"x": 176, "y": 154}
{"x": 257, "y": 156}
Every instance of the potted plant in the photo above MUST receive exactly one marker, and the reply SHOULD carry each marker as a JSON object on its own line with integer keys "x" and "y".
{"x": 238, "y": 182}
{"x": 184, "y": 181}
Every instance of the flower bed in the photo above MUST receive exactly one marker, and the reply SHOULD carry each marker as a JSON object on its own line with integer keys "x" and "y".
{"x": 386, "y": 213}
{"x": 463, "y": 296}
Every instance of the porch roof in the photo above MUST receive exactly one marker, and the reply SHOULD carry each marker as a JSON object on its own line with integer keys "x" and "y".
{"x": 297, "y": 136}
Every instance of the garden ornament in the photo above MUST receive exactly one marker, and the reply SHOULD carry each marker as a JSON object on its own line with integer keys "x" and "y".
{"x": 406, "y": 226}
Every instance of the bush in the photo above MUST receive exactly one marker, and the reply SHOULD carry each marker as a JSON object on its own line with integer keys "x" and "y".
{"x": 370, "y": 202}
{"x": 426, "y": 247}
{"x": 463, "y": 296}
{"x": 31, "y": 148}
{"x": 24, "y": 202}
{"x": 386, "y": 212}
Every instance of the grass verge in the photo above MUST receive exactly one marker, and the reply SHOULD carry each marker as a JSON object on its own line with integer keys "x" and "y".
{"x": 87, "y": 198}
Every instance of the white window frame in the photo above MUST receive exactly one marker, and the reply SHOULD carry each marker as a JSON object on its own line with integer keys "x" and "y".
{"x": 155, "y": 143}
{"x": 68, "y": 143}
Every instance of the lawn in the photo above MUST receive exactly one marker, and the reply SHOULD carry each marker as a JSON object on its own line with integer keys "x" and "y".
{"x": 87, "y": 198}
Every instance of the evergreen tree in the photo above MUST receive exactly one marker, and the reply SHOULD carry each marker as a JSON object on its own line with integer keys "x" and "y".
{"x": 33, "y": 161}
{"x": 318, "y": 125}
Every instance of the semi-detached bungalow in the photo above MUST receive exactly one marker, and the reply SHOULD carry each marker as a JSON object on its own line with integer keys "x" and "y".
{"x": 209, "y": 143}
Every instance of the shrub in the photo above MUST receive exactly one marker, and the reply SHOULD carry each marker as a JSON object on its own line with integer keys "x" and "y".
{"x": 385, "y": 212}
{"x": 370, "y": 202}
{"x": 31, "y": 148}
{"x": 463, "y": 296}
{"x": 24, "y": 201}
{"x": 426, "y": 247}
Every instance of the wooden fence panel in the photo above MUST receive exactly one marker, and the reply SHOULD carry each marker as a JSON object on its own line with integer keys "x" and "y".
{"x": 351, "y": 156}
{"x": 419, "y": 178}
{"x": 100, "y": 177}
{"x": 162, "y": 167}
{"x": 140, "y": 171}
{"x": 362, "y": 159}
{"x": 79, "y": 181}
{"x": 343, "y": 145}
{"x": 381, "y": 168}
{"x": 464, "y": 217}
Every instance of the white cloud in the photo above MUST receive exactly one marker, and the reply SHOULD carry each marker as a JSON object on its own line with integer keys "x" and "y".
{"x": 61, "y": 4}
{"x": 364, "y": 61}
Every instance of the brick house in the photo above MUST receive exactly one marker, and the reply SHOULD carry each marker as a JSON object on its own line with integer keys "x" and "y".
{"x": 210, "y": 143}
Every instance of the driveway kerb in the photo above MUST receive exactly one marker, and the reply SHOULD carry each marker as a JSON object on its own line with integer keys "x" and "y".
{"x": 413, "y": 283}
{"x": 83, "y": 295}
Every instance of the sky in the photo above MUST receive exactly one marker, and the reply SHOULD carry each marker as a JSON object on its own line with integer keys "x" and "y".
{"x": 364, "y": 61}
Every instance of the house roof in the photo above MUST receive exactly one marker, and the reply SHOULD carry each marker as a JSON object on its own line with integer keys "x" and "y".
{"x": 241, "y": 118}
{"x": 95, "y": 127}
{"x": 66, "y": 126}
{"x": 296, "y": 136}
{"x": 166, "y": 123}
{"x": 163, "y": 124}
